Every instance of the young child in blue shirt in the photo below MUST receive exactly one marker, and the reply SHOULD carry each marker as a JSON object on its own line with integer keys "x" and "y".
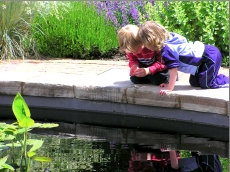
{"x": 202, "y": 61}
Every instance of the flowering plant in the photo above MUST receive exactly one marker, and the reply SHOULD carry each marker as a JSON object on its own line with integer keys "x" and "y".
{"x": 122, "y": 13}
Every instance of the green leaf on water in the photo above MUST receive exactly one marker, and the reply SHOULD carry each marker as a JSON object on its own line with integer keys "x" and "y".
{"x": 3, "y": 164}
{"x": 46, "y": 125}
{"x": 8, "y": 167}
{"x": 31, "y": 141}
{"x": 3, "y": 160}
{"x": 15, "y": 144}
{"x": 3, "y": 125}
{"x": 42, "y": 159}
{"x": 36, "y": 145}
{"x": 30, "y": 154}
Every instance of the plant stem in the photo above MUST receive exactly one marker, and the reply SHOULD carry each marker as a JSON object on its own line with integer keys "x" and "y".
{"x": 25, "y": 149}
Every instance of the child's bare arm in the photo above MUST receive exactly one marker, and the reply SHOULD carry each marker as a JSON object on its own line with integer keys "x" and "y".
{"x": 173, "y": 159}
{"x": 172, "y": 80}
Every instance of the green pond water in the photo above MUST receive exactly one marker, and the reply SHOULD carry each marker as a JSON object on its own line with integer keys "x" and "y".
{"x": 86, "y": 148}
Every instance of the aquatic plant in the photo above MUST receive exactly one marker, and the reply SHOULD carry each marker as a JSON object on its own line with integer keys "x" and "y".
{"x": 16, "y": 135}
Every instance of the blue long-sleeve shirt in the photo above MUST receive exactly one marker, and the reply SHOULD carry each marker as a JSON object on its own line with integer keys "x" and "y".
{"x": 179, "y": 53}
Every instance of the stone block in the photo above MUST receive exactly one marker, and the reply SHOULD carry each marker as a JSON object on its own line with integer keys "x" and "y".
{"x": 48, "y": 90}
{"x": 10, "y": 87}
{"x": 107, "y": 93}
{"x": 149, "y": 95}
{"x": 203, "y": 104}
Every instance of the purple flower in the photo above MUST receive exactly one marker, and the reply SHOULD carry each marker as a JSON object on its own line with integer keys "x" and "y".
{"x": 134, "y": 13}
{"x": 121, "y": 13}
{"x": 166, "y": 3}
{"x": 124, "y": 16}
{"x": 152, "y": 2}
{"x": 113, "y": 18}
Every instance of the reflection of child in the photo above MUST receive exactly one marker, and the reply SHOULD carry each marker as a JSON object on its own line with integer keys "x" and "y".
{"x": 200, "y": 60}
{"x": 153, "y": 160}
{"x": 146, "y": 66}
{"x": 173, "y": 158}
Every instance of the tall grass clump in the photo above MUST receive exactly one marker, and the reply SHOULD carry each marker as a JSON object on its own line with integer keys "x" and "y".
{"x": 15, "y": 19}
{"x": 73, "y": 29}
{"x": 206, "y": 21}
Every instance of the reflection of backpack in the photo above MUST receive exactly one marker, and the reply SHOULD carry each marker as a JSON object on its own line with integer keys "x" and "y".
{"x": 200, "y": 163}
{"x": 210, "y": 163}
{"x": 189, "y": 164}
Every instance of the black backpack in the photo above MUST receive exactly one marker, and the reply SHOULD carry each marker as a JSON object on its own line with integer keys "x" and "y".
{"x": 201, "y": 163}
{"x": 210, "y": 163}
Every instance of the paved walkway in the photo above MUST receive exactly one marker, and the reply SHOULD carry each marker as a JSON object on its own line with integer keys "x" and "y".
{"x": 69, "y": 66}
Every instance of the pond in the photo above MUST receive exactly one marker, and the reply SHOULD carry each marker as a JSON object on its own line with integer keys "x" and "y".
{"x": 86, "y": 148}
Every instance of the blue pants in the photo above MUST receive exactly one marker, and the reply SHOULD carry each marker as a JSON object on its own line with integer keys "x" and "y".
{"x": 207, "y": 75}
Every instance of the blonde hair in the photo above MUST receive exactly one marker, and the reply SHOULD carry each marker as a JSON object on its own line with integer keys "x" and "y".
{"x": 127, "y": 38}
{"x": 152, "y": 34}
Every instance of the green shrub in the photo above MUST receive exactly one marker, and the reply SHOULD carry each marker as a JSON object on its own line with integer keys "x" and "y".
{"x": 206, "y": 21}
{"x": 73, "y": 29}
{"x": 15, "y": 19}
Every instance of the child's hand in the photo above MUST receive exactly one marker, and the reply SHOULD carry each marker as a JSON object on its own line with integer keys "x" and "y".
{"x": 164, "y": 91}
{"x": 133, "y": 69}
{"x": 141, "y": 72}
{"x": 170, "y": 86}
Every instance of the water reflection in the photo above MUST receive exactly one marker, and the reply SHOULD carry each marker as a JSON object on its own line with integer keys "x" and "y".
{"x": 79, "y": 147}
{"x": 125, "y": 136}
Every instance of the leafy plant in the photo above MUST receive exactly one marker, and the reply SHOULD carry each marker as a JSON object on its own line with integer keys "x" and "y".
{"x": 73, "y": 29}
{"x": 15, "y": 19}
{"x": 178, "y": 17}
{"x": 16, "y": 135}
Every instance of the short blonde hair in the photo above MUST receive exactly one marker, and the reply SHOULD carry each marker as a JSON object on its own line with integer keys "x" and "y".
{"x": 127, "y": 38}
{"x": 152, "y": 34}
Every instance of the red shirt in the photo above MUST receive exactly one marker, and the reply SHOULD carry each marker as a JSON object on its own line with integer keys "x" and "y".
{"x": 147, "y": 58}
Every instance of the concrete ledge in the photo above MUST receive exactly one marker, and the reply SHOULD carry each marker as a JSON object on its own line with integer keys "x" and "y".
{"x": 114, "y": 85}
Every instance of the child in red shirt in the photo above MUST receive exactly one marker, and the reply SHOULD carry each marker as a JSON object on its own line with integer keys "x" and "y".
{"x": 146, "y": 66}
